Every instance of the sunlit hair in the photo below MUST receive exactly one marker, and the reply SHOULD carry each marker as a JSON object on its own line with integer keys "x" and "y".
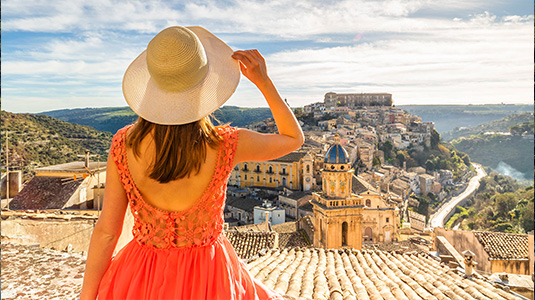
{"x": 180, "y": 149}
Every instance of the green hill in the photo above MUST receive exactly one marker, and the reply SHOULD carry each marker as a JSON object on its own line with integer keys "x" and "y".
{"x": 448, "y": 117}
{"x": 509, "y": 154}
{"x": 113, "y": 118}
{"x": 501, "y": 125}
{"x": 38, "y": 140}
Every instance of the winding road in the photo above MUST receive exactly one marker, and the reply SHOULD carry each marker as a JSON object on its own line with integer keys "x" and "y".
{"x": 437, "y": 219}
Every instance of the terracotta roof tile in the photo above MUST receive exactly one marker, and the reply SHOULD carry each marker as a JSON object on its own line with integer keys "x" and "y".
{"x": 43, "y": 192}
{"x": 291, "y": 157}
{"x": 293, "y": 239}
{"x": 313, "y": 273}
{"x": 500, "y": 245}
{"x": 250, "y": 243}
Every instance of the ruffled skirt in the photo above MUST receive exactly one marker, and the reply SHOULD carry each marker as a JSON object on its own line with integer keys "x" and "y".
{"x": 209, "y": 272}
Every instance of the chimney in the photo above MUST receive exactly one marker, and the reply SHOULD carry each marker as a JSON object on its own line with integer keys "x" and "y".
{"x": 87, "y": 158}
{"x": 469, "y": 262}
{"x": 267, "y": 217}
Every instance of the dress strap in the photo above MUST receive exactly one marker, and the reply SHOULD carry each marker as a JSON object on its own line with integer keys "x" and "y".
{"x": 229, "y": 144}
{"x": 117, "y": 149}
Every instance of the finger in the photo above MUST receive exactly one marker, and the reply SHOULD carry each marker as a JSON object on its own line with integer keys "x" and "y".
{"x": 243, "y": 69}
{"x": 242, "y": 56}
{"x": 257, "y": 54}
{"x": 253, "y": 58}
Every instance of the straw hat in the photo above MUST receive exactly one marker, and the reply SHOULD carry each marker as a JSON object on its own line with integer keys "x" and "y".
{"x": 184, "y": 74}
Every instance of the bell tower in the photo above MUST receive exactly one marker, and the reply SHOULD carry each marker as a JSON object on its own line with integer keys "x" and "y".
{"x": 337, "y": 212}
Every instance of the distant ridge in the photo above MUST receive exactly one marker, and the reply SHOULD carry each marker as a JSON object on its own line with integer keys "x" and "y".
{"x": 112, "y": 119}
{"x": 447, "y": 117}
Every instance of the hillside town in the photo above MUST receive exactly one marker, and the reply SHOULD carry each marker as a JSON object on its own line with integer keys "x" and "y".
{"x": 339, "y": 218}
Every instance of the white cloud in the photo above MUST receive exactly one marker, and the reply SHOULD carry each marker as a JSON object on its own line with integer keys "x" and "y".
{"x": 400, "y": 48}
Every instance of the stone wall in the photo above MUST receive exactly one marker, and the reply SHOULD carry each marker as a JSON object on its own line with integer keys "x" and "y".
{"x": 57, "y": 231}
{"x": 466, "y": 240}
{"x": 510, "y": 266}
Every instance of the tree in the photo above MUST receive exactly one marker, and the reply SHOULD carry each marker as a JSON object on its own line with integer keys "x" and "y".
{"x": 400, "y": 157}
{"x": 435, "y": 139}
{"x": 376, "y": 161}
{"x": 387, "y": 149}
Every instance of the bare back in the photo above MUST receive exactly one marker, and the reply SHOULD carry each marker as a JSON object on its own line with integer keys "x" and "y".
{"x": 175, "y": 195}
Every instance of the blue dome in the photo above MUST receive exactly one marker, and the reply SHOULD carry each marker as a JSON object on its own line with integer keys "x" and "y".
{"x": 336, "y": 155}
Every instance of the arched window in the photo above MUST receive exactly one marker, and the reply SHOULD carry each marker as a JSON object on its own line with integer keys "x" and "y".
{"x": 344, "y": 234}
{"x": 245, "y": 176}
{"x": 245, "y": 167}
{"x": 368, "y": 203}
{"x": 258, "y": 168}
{"x": 283, "y": 181}
{"x": 270, "y": 169}
{"x": 308, "y": 168}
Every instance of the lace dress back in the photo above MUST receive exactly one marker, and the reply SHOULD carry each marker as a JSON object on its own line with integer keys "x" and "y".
{"x": 200, "y": 224}
{"x": 181, "y": 254}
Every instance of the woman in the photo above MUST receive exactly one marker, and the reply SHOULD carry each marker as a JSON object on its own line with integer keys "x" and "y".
{"x": 172, "y": 167}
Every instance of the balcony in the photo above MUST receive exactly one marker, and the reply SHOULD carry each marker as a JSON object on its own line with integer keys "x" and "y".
{"x": 258, "y": 171}
{"x": 283, "y": 173}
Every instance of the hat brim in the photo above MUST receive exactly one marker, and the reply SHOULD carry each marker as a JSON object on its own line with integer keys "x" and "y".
{"x": 173, "y": 108}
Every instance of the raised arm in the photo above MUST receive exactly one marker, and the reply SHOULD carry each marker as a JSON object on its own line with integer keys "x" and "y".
{"x": 254, "y": 146}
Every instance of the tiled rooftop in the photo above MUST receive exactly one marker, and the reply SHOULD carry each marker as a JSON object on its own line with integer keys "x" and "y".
{"x": 311, "y": 273}
{"x": 293, "y": 239}
{"x": 302, "y": 273}
{"x": 360, "y": 185}
{"x": 37, "y": 273}
{"x": 245, "y": 203}
{"x": 248, "y": 244}
{"x": 500, "y": 245}
{"x": 291, "y": 157}
{"x": 43, "y": 192}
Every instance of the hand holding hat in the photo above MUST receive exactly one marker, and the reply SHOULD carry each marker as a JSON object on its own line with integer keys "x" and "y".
{"x": 253, "y": 66}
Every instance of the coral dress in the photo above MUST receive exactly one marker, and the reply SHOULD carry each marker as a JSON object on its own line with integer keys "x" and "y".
{"x": 180, "y": 255}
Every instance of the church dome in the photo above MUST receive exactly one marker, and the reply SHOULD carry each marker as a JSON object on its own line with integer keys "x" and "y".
{"x": 336, "y": 155}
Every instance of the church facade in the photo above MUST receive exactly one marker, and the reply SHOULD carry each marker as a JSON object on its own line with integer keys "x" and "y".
{"x": 348, "y": 211}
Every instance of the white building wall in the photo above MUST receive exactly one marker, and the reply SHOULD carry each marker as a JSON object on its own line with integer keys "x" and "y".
{"x": 276, "y": 215}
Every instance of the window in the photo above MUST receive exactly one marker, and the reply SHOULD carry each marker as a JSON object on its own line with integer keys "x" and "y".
{"x": 245, "y": 176}
{"x": 258, "y": 168}
{"x": 308, "y": 168}
{"x": 270, "y": 180}
{"x": 257, "y": 178}
{"x": 368, "y": 202}
{"x": 270, "y": 169}
{"x": 387, "y": 220}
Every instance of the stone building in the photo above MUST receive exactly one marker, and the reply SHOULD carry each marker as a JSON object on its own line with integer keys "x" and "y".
{"x": 293, "y": 171}
{"x": 357, "y": 100}
{"x": 267, "y": 212}
{"x": 380, "y": 215}
{"x": 337, "y": 211}
{"x": 349, "y": 210}
{"x": 69, "y": 185}
{"x": 494, "y": 252}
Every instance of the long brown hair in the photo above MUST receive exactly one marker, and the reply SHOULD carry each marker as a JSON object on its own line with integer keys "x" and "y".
{"x": 180, "y": 149}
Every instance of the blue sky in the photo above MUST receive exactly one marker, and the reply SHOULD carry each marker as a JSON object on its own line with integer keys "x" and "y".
{"x": 71, "y": 54}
